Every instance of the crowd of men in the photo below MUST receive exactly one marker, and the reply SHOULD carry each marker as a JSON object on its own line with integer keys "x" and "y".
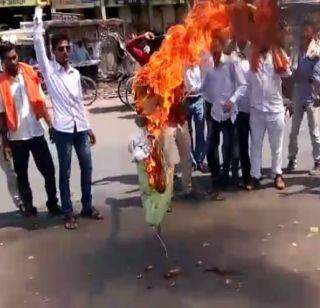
{"x": 225, "y": 95}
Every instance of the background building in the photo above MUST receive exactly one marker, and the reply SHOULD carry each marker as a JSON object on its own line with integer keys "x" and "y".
{"x": 139, "y": 14}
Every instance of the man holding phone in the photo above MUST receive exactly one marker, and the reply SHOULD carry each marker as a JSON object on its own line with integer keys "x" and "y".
{"x": 71, "y": 128}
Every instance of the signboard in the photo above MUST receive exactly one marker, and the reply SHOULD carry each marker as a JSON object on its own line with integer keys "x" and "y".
{"x": 66, "y": 17}
{"x": 74, "y": 4}
{"x": 16, "y": 3}
{"x": 131, "y": 2}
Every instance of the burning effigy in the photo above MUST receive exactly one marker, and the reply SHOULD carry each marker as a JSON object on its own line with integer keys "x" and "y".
{"x": 159, "y": 85}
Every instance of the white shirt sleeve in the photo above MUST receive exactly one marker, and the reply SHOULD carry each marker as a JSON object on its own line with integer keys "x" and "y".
{"x": 241, "y": 83}
{"x": 206, "y": 63}
{"x": 192, "y": 84}
{"x": 39, "y": 45}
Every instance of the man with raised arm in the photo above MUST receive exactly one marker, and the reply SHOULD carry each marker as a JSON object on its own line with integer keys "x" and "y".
{"x": 71, "y": 126}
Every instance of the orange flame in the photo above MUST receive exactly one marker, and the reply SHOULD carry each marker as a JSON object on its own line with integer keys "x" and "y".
{"x": 159, "y": 83}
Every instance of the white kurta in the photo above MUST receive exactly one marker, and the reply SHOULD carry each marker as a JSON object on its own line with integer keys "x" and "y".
{"x": 267, "y": 114}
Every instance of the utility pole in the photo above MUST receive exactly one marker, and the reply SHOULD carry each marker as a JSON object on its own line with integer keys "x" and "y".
{"x": 150, "y": 13}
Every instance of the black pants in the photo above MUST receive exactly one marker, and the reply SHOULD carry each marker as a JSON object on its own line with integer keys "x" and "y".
{"x": 39, "y": 148}
{"x": 243, "y": 130}
{"x": 229, "y": 150}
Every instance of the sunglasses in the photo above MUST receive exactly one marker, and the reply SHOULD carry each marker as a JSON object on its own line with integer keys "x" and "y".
{"x": 64, "y": 48}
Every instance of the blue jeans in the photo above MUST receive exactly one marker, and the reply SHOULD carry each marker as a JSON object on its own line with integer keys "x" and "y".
{"x": 81, "y": 143}
{"x": 196, "y": 113}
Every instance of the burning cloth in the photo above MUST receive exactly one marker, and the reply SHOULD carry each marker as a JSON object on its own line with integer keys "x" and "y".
{"x": 155, "y": 203}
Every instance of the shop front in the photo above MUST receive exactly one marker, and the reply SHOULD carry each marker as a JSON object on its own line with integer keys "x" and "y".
{"x": 89, "y": 9}
{"x": 143, "y": 15}
{"x": 14, "y": 11}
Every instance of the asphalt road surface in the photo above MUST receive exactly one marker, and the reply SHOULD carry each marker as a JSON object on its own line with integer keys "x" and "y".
{"x": 257, "y": 249}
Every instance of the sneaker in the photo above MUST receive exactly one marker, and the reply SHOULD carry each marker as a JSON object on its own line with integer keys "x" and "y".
{"x": 279, "y": 182}
{"x": 316, "y": 169}
{"x": 292, "y": 165}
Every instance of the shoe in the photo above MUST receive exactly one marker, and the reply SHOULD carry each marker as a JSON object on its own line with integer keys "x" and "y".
{"x": 215, "y": 195}
{"x": 55, "y": 210}
{"x": 279, "y": 182}
{"x": 194, "y": 166}
{"x": 224, "y": 180}
{"x": 235, "y": 181}
{"x": 203, "y": 168}
{"x": 192, "y": 195}
{"x": 254, "y": 184}
{"x": 292, "y": 165}
{"x": 70, "y": 222}
{"x": 316, "y": 169}
{"x": 92, "y": 214}
{"x": 249, "y": 184}
{"x": 30, "y": 211}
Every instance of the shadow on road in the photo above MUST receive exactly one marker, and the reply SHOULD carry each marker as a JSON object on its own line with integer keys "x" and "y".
{"x": 128, "y": 117}
{"x": 305, "y": 185}
{"x": 128, "y": 179}
{"x": 109, "y": 109}
{"x": 254, "y": 279}
{"x": 16, "y": 220}
{"x": 123, "y": 203}
{"x": 116, "y": 205}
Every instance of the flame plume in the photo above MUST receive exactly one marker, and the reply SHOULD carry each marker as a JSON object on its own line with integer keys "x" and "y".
{"x": 159, "y": 83}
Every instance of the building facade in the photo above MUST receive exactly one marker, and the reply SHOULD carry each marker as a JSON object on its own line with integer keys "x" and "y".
{"x": 140, "y": 15}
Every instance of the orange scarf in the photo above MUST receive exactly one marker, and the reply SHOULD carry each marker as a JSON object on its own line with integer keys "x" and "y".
{"x": 32, "y": 84}
{"x": 280, "y": 61}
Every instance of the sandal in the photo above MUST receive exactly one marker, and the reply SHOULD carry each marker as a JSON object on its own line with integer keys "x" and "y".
{"x": 70, "y": 222}
{"x": 94, "y": 214}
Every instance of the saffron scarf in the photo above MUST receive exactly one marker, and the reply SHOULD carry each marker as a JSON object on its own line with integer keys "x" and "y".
{"x": 32, "y": 83}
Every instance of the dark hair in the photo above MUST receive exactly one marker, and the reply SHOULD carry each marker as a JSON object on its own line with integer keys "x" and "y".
{"x": 5, "y": 47}
{"x": 56, "y": 39}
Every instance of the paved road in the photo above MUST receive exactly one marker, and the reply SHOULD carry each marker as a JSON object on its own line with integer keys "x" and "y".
{"x": 258, "y": 247}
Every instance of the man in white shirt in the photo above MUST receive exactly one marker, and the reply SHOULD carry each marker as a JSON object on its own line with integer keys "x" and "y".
{"x": 240, "y": 56}
{"x": 22, "y": 132}
{"x": 195, "y": 112}
{"x": 267, "y": 114}
{"x": 223, "y": 85}
{"x": 71, "y": 127}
